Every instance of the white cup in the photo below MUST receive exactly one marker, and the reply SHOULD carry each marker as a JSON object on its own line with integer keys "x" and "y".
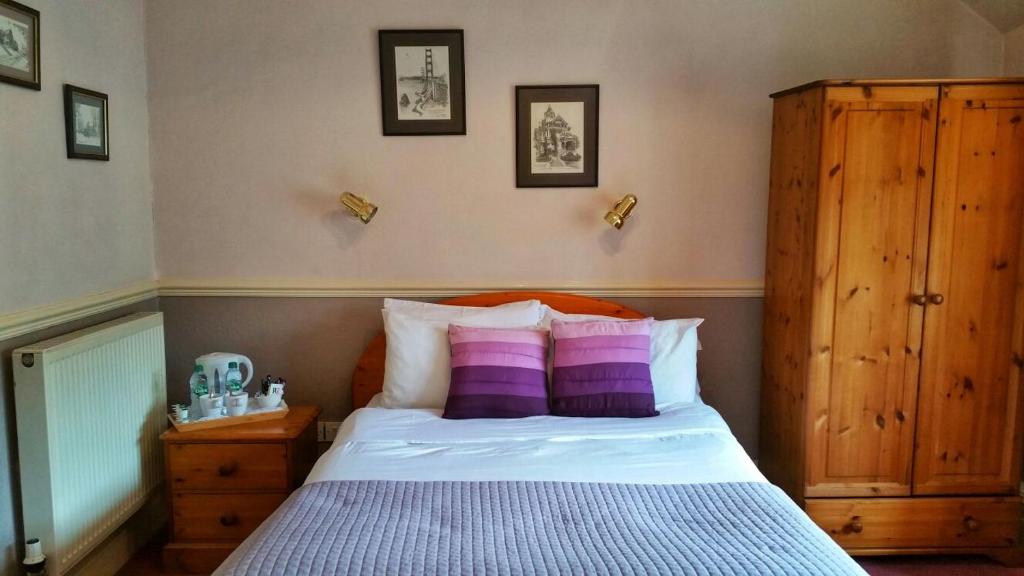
{"x": 237, "y": 404}
{"x": 269, "y": 400}
{"x": 211, "y": 405}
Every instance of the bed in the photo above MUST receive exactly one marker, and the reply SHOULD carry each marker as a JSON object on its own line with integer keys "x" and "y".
{"x": 403, "y": 491}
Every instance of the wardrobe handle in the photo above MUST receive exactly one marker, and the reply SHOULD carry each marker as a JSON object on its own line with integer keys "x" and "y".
{"x": 919, "y": 299}
{"x": 225, "y": 470}
{"x": 936, "y": 299}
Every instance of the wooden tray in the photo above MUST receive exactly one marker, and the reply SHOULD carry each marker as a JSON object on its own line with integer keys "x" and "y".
{"x": 253, "y": 415}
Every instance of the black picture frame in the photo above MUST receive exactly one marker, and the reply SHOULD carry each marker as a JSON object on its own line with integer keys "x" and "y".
{"x": 17, "y": 23}
{"x": 410, "y": 116}
{"x": 533, "y": 144}
{"x": 79, "y": 130}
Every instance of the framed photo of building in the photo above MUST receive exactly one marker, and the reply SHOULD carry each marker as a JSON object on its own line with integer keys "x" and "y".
{"x": 19, "y": 45}
{"x": 556, "y": 136}
{"x": 86, "y": 125}
{"x": 422, "y": 82}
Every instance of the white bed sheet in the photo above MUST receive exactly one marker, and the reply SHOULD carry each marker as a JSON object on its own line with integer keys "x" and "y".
{"x": 686, "y": 444}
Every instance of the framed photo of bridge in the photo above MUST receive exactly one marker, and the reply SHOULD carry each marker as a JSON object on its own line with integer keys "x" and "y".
{"x": 422, "y": 82}
{"x": 19, "y": 45}
{"x": 556, "y": 136}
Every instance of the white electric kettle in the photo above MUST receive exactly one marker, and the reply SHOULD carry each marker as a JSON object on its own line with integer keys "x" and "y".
{"x": 217, "y": 363}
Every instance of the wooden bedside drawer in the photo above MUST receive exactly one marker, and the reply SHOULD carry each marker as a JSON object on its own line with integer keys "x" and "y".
{"x": 223, "y": 482}
{"x": 228, "y": 467}
{"x": 221, "y": 516}
{"x": 917, "y": 522}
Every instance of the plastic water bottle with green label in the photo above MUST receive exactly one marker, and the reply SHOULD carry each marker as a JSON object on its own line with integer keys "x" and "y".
{"x": 198, "y": 386}
{"x": 234, "y": 378}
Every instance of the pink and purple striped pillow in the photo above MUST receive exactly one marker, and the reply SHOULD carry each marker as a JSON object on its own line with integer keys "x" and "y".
{"x": 497, "y": 373}
{"x": 602, "y": 368}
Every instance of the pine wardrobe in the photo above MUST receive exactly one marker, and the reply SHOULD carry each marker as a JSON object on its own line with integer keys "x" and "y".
{"x": 894, "y": 312}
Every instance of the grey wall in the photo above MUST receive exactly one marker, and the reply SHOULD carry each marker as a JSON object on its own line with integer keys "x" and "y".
{"x": 1013, "y": 52}
{"x": 11, "y": 536}
{"x": 315, "y": 342}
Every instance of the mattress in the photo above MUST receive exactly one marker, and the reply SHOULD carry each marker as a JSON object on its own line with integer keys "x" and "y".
{"x": 687, "y": 444}
{"x": 407, "y": 492}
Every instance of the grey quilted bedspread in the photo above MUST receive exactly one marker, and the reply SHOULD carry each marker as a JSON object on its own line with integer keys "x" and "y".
{"x": 388, "y": 527}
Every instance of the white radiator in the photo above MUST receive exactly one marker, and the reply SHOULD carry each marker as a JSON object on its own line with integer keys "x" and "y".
{"x": 90, "y": 409}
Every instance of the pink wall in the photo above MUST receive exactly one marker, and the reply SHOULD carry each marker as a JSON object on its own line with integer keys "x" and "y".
{"x": 69, "y": 228}
{"x": 263, "y": 111}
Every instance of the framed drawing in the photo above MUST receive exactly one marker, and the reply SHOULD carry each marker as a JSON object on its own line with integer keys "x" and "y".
{"x": 19, "y": 45}
{"x": 86, "y": 126}
{"x": 556, "y": 136}
{"x": 422, "y": 82}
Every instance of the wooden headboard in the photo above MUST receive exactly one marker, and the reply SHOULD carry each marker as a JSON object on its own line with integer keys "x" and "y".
{"x": 368, "y": 377}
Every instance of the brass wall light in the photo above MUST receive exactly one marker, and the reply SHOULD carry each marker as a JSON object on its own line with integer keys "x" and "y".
{"x": 623, "y": 208}
{"x": 359, "y": 207}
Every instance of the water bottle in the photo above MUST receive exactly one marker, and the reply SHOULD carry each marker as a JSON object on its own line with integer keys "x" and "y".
{"x": 234, "y": 378}
{"x": 197, "y": 386}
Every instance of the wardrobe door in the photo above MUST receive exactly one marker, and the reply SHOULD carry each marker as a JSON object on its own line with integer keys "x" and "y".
{"x": 871, "y": 257}
{"x": 969, "y": 434}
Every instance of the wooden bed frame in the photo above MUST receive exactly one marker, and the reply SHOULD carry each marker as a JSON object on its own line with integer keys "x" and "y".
{"x": 368, "y": 377}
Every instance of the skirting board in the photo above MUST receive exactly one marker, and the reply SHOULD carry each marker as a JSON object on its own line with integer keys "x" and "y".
{"x": 114, "y": 552}
{"x": 22, "y": 322}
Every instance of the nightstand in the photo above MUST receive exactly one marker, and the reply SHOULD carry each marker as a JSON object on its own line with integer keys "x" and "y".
{"x": 223, "y": 482}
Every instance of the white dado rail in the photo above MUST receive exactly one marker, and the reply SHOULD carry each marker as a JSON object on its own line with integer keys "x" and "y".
{"x": 25, "y": 321}
{"x": 336, "y": 289}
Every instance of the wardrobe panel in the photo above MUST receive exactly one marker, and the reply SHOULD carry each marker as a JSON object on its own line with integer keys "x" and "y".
{"x": 792, "y": 204}
{"x": 876, "y": 175}
{"x": 969, "y": 435}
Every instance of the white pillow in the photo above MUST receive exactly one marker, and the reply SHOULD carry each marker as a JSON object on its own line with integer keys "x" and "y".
{"x": 674, "y": 346}
{"x": 418, "y": 363}
{"x": 431, "y": 311}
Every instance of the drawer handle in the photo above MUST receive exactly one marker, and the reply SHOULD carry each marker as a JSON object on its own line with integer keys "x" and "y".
{"x": 228, "y": 519}
{"x": 971, "y": 524}
{"x": 227, "y": 469}
{"x": 854, "y": 526}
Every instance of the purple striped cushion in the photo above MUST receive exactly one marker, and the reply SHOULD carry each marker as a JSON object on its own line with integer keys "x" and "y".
{"x": 602, "y": 368}
{"x": 497, "y": 373}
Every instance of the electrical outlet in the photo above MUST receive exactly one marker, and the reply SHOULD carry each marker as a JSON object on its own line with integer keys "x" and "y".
{"x": 326, "y": 431}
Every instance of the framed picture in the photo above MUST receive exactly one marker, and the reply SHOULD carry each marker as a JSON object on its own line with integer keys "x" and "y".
{"x": 19, "y": 44}
{"x": 422, "y": 82}
{"x": 86, "y": 125}
{"x": 556, "y": 136}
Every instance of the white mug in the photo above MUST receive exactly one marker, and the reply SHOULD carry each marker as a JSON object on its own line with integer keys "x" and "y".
{"x": 237, "y": 404}
{"x": 211, "y": 405}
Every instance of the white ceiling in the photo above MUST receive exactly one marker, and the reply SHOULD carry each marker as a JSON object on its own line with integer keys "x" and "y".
{"x": 1003, "y": 14}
